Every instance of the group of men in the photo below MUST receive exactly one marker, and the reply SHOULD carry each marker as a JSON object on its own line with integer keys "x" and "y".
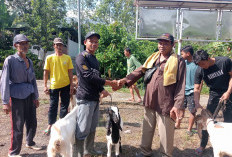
{"x": 168, "y": 92}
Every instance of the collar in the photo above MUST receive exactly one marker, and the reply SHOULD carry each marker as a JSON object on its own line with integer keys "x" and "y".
{"x": 18, "y": 57}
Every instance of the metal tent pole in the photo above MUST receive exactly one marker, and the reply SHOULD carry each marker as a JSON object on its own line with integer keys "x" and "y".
{"x": 79, "y": 28}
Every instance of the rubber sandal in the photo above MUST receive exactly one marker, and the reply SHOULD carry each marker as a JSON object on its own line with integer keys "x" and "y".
{"x": 47, "y": 132}
{"x": 130, "y": 99}
{"x": 194, "y": 131}
{"x": 189, "y": 133}
{"x": 199, "y": 151}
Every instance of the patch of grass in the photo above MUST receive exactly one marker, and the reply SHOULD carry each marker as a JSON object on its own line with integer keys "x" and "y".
{"x": 205, "y": 89}
{"x": 126, "y": 90}
{"x": 43, "y": 101}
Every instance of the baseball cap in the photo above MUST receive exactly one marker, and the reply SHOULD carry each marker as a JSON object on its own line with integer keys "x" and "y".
{"x": 20, "y": 38}
{"x": 58, "y": 41}
{"x": 166, "y": 36}
{"x": 90, "y": 34}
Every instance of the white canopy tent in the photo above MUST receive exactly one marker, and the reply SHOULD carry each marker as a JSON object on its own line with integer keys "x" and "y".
{"x": 187, "y": 20}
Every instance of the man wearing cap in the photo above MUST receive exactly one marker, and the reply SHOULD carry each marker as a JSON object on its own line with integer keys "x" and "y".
{"x": 163, "y": 96}
{"x": 20, "y": 95}
{"x": 60, "y": 68}
{"x": 89, "y": 90}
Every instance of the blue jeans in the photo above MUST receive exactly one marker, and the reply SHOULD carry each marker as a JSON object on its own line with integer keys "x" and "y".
{"x": 64, "y": 94}
{"x": 87, "y": 118}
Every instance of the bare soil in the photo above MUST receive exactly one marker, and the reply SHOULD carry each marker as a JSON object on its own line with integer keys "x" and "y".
{"x": 132, "y": 115}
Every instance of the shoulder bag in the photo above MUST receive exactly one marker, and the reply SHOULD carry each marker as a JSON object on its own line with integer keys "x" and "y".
{"x": 149, "y": 73}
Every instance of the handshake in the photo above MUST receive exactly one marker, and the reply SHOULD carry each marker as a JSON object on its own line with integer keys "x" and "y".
{"x": 116, "y": 84}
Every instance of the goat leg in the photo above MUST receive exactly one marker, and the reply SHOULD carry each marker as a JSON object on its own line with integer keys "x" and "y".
{"x": 109, "y": 147}
{"x": 117, "y": 149}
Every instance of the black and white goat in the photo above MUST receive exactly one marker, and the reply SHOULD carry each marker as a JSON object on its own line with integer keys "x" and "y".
{"x": 62, "y": 135}
{"x": 219, "y": 132}
{"x": 114, "y": 125}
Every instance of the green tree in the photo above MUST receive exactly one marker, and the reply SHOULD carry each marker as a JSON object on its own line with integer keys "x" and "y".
{"x": 109, "y": 11}
{"x": 19, "y": 7}
{"x": 44, "y": 19}
{"x": 114, "y": 39}
{"x": 6, "y": 20}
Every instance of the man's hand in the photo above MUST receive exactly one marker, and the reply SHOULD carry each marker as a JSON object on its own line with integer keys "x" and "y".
{"x": 104, "y": 94}
{"x": 36, "y": 103}
{"x": 120, "y": 84}
{"x": 6, "y": 108}
{"x": 174, "y": 113}
{"x": 46, "y": 90}
{"x": 225, "y": 96}
{"x": 113, "y": 84}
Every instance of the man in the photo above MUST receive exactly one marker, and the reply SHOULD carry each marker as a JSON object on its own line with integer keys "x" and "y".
{"x": 191, "y": 67}
{"x": 217, "y": 74}
{"x": 163, "y": 96}
{"x": 132, "y": 64}
{"x": 20, "y": 95}
{"x": 90, "y": 87}
{"x": 59, "y": 66}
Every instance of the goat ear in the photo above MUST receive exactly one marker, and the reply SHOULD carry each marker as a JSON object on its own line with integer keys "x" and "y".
{"x": 109, "y": 110}
{"x": 198, "y": 117}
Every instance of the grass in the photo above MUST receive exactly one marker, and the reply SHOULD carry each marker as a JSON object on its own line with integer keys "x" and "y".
{"x": 126, "y": 89}
{"x": 205, "y": 89}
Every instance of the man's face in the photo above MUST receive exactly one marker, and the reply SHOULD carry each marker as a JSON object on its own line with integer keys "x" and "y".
{"x": 126, "y": 53}
{"x": 204, "y": 64}
{"x": 22, "y": 47}
{"x": 184, "y": 55}
{"x": 165, "y": 47}
{"x": 91, "y": 44}
{"x": 58, "y": 47}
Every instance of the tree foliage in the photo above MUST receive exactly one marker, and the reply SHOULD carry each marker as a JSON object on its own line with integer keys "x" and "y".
{"x": 45, "y": 18}
{"x": 110, "y": 11}
{"x": 114, "y": 39}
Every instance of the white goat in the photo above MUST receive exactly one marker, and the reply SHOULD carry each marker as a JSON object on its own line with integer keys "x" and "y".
{"x": 114, "y": 125}
{"x": 220, "y": 133}
{"x": 62, "y": 135}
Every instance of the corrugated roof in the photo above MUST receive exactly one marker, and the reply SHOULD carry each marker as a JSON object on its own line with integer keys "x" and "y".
{"x": 192, "y": 4}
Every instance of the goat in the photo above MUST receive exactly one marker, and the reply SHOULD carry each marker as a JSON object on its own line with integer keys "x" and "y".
{"x": 219, "y": 132}
{"x": 114, "y": 125}
{"x": 73, "y": 103}
{"x": 62, "y": 135}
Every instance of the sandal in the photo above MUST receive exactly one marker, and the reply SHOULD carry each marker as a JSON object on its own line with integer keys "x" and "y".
{"x": 131, "y": 99}
{"x": 47, "y": 132}
{"x": 139, "y": 100}
{"x": 199, "y": 151}
{"x": 189, "y": 133}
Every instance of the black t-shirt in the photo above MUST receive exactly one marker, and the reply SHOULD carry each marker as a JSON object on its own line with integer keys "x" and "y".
{"x": 217, "y": 76}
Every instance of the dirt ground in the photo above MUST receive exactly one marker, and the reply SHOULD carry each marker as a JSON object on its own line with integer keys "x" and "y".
{"x": 132, "y": 115}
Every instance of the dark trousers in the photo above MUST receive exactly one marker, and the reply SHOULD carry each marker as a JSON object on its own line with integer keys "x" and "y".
{"x": 211, "y": 106}
{"x": 64, "y": 94}
{"x": 23, "y": 111}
